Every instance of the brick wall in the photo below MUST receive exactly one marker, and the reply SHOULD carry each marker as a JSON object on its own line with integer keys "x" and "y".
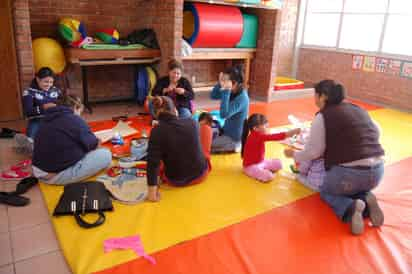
{"x": 287, "y": 30}
{"x": 166, "y": 18}
{"x": 23, "y": 41}
{"x": 275, "y": 42}
{"x": 382, "y": 88}
{"x": 263, "y": 68}
{"x": 124, "y": 15}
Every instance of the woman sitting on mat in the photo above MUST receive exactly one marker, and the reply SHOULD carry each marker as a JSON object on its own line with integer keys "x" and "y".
{"x": 175, "y": 145}
{"x": 36, "y": 100}
{"x": 177, "y": 88}
{"x": 253, "y": 148}
{"x": 234, "y": 108}
{"x": 65, "y": 150}
{"x": 348, "y": 140}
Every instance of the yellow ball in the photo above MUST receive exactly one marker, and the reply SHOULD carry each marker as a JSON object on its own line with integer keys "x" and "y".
{"x": 48, "y": 53}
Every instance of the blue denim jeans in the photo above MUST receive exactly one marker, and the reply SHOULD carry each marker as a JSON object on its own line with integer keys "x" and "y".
{"x": 183, "y": 112}
{"x": 90, "y": 165}
{"x": 224, "y": 143}
{"x": 343, "y": 185}
{"x": 32, "y": 127}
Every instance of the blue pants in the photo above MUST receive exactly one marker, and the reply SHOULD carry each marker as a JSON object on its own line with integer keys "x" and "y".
{"x": 224, "y": 143}
{"x": 183, "y": 112}
{"x": 90, "y": 165}
{"x": 32, "y": 127}
{"x": 343, "y": 185}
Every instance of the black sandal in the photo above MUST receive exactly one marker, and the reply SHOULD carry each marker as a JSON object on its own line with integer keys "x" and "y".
{"x": 24, "y": 185}
{"x": 8, "y": 133}
{"x": 11, "y": 198}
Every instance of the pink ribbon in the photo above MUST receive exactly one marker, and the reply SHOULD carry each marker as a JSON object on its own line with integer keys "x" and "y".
{"x": 132, "y": 242}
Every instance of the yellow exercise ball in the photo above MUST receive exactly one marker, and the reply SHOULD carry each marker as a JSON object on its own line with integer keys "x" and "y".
{"x": 48, "y": 52}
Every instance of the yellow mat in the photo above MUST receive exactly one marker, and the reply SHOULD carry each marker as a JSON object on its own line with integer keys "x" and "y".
{"x": 226, "y": 197}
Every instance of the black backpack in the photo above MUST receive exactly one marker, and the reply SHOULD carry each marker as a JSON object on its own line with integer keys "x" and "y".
{"x": 146, "y": 37}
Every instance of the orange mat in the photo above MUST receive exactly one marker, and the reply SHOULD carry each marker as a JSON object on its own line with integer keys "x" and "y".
{"x": 303, "y": 108}
{"x": 303, "y": 237}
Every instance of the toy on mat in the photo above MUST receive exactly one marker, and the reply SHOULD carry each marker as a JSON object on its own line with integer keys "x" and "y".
{"x": 117, "y": 170}
{"x": 117, "y": 139}
{"x": 132, "y": 242}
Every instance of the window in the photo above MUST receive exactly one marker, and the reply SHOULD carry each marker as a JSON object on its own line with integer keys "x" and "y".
{"x": 378, "y": 26}
{"x": 361, "y": 32}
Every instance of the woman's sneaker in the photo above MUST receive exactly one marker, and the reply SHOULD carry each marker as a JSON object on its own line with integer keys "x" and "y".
{"x": 375, "y": 212}
{"x": 24, "y": 144}
{"x": 356, "y": 224}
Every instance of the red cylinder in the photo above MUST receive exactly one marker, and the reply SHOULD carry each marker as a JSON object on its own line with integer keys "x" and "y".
{"x": 219, "y": 26}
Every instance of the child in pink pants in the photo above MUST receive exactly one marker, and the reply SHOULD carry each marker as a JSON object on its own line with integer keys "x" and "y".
{"x": 253, "y": 148}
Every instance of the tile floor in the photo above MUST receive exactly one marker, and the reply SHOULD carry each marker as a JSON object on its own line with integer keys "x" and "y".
{"x": 28, "y": 244}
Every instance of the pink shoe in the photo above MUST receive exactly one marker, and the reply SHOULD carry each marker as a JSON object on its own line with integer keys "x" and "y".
{"x": 14, "y": 175}
{"x": 21, "y": 165}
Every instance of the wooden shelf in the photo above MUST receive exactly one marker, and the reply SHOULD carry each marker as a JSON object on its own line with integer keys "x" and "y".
{"x": 276, "y": 6}
{"x": 220, "y": 54}
{"x": 100, "y": 57}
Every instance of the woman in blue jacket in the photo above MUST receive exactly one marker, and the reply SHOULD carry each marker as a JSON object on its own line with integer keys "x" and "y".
{"x": 234, "y": 107}
{"x": 65, "y": 149}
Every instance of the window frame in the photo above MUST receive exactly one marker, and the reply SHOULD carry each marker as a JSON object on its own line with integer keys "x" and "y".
{"x": 336, "y": 48}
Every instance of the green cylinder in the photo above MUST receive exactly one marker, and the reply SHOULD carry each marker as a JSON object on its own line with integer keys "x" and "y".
{"x": 250, "y": 31}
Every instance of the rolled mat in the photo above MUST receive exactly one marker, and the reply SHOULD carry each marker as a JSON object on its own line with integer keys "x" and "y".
{"x": 212, "y": 26}
{"x": 250, "y": 31}
{"x": 152, "y": 78}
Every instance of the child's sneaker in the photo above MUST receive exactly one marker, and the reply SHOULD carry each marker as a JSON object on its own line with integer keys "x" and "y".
{"x": 24, "y": 143}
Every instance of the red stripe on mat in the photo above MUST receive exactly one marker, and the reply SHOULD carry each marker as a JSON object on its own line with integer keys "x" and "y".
{"x": 303, "y": 237}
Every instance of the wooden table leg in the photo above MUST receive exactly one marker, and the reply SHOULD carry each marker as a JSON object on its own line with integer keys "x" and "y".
{"x": 247, "y": 72}
{"x": 85, "y": 90}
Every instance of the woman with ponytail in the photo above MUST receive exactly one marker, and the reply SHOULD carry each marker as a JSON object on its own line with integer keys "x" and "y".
{"x": 348, "y": 140}
{"x": 253, "y": 148}
{"x": 175, "y": 152}
{"x": 234, "y": 106}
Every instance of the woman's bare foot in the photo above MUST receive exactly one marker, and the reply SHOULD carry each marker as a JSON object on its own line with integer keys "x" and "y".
{"x": 153, "y": 194}
{"x": 356, "y": 223}
{"x": 375, "y": 212}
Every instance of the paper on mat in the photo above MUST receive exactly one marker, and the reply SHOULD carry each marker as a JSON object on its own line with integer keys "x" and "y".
{"x": 122, "y": 128}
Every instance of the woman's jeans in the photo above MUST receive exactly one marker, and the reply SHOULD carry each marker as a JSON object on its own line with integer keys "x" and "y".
{"x": 90, "y": 165}
{"x": 343, "y": 185}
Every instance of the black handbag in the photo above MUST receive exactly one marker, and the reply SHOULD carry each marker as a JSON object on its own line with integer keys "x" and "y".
{"x": 81, "y": 198}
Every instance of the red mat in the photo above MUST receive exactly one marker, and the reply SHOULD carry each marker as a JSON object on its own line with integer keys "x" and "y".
{"x": 304, "y": 237}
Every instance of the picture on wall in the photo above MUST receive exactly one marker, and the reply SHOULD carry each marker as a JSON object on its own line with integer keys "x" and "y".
{"x": 406, "y": 70}
{"x": 394, "y": 67}
{"x": 369, "y": 63}
{"x": 381, "y": 64}
{"x": 357, "y": 62}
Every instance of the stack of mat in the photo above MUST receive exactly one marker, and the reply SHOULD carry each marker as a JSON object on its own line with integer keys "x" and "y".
{"x": 145, "y": 81}
{"x": 215, "y": 26}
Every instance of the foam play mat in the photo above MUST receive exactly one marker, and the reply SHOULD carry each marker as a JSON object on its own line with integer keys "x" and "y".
{"x": 233, "y": 224}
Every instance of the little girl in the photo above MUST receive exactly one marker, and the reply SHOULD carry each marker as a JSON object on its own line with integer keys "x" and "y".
{"x": 253, "y": 148}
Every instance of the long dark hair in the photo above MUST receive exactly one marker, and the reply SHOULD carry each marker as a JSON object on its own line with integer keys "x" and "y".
{"x": 334, "y": 91}
{"x": 254, "y": 120}
{"x": 236, "y": 75}
{"x": 42, "y": 73}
